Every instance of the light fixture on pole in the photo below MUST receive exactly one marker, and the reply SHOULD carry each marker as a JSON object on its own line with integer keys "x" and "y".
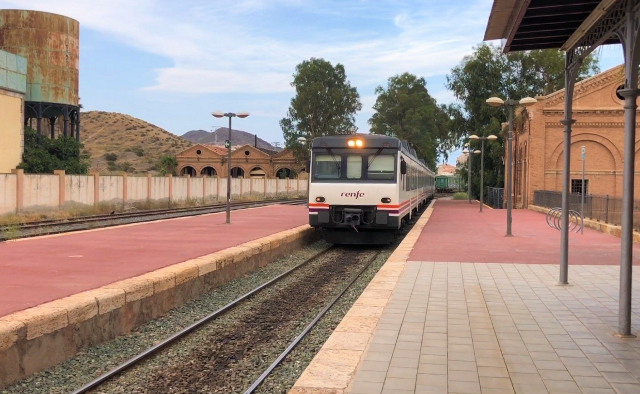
{"x": 219, "y": 114}
{"x": 498, "y": 102}
{"x": 481, "y": 152}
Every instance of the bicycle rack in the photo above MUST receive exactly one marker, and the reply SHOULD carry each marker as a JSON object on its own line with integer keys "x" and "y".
{"x": 554, "y": 219}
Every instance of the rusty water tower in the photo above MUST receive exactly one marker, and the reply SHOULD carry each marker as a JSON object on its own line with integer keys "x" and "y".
{"x": 49, "y": 42}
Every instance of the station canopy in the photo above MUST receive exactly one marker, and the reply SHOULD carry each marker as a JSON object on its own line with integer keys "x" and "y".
{"x": 543, "y": 24}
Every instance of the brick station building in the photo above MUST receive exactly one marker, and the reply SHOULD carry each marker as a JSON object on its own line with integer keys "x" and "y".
{"x": 246, "y": 162}
{"x": 599, "y": 127}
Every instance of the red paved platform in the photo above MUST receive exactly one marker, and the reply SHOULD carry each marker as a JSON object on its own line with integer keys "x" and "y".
{"x": 456, "y": 231}
{"x": 38, "y": 270}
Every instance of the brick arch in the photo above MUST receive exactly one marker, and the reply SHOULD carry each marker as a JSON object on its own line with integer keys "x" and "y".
{"x": 185, "y": 166}
{"x": 251, "y": 167}
{"x": 590, "y": 137}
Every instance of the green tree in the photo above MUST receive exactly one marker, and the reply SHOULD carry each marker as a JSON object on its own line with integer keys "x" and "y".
{"x": 405, "y": 110}
{"x": 488, "y": 72}
{"x": 168, "y": 165}
{"x": 325, "y": 103}
{"x": 43, "y": 155}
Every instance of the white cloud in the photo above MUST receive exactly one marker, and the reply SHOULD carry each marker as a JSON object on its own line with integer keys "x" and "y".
{"x": 246, "y": 46}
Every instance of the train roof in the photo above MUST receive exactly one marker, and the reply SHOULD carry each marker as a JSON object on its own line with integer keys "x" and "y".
{"x": 374, "y": 141}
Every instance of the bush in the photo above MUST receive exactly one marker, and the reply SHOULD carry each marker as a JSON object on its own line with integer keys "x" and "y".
{"x": 43, "y": 155}
{"x": 460, "y": 196}
{"x": 111, "y": 156}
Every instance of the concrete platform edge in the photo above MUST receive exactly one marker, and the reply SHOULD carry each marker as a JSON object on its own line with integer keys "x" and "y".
{"x": 43, "y": 336}
{"x": 594, "y": 224}
{"x": 332, "y": 370}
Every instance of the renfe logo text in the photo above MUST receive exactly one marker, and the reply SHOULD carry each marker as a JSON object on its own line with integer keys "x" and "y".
{"x": 356, "y": 194}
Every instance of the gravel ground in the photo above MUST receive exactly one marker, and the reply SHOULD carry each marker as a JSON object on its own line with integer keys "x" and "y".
{"x": 227, "y": 355}
{"x": 246, "y": 359}
{"x": 17, "y": 232}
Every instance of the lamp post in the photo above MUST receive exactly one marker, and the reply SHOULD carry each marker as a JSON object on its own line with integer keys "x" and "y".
{"x": 498, "y": 102}
{"x": 468, "y": 152}
{"x": 481, "y": 152}
{"x": 306, "y": 141}
{"x": 219, "y": 114}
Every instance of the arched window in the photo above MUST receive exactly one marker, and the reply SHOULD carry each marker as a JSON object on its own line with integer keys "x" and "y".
{"x": 284, "y": 173}
{"x": 237, "y": 172}
{"x": 257, "y": 172}
{"x": 188, "y": 170}
{"x": 208, "y": 171}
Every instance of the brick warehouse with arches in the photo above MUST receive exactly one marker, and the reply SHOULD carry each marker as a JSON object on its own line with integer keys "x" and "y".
{"x": 599, "y": 127}
{"x": 246, "y": 162}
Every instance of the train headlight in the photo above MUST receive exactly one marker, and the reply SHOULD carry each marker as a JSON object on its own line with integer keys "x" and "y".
{"x": 352, "y": 143}
{"x": 358, "y": 143}
{"x": 319, "y": 199}
{"x": 386, "y": 200}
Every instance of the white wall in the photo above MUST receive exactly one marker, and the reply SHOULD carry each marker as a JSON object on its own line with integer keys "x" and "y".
{"x": 42, "y": 192}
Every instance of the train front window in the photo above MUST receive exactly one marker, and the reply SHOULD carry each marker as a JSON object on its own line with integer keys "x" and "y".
{"x": 381, "y": 167}
{"x": 354, "y": 167}
{"x": 326, "y": 167}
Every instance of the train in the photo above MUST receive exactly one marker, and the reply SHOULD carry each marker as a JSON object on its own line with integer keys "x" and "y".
{"x": 364, "y": 188}
{"x": 447, "y": 183}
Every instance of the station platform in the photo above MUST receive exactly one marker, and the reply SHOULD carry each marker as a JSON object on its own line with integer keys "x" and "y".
{"x": 34, "y": 271}
{"x": 460, "y": 308}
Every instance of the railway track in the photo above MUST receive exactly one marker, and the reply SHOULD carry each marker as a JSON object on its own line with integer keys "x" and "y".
{"x": 230, "y": 358}
{"x": 56, "y": 226}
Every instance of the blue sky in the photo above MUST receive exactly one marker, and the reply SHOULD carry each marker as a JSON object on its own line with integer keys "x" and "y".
{"x": 171, "y": 63}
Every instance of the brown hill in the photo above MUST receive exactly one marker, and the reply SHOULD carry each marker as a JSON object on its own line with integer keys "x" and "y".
{"x": 136, "y": 145}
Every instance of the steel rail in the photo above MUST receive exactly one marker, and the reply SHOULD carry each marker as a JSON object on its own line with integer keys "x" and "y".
{"x": 146, "y": 216}
{"x": 150, "y": 212}
{"x": 304, "y": 332}
{"x": 154, "y": 349}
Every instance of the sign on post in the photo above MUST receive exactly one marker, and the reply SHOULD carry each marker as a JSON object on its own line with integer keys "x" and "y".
{"x": 227, "y": 144}
{"x": 583, "y": 153}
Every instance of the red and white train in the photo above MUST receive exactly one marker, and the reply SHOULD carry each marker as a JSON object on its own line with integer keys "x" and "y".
{"x": 363, "y": 188}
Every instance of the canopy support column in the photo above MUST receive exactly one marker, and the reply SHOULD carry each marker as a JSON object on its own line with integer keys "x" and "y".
{"x": 570, "y": 74}
{"x": 628, "y": 34}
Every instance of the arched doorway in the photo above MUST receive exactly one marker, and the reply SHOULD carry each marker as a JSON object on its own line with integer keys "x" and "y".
{"x": 257, "y": 172}
{"x": 208, "y": 171}
{"x": 188, "y": 170}
{"x": 237, "y": 172}
{"x": 284, "y": 173}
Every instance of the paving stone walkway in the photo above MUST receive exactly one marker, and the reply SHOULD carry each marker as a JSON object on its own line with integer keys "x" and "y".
{"x": 502, "y": 328}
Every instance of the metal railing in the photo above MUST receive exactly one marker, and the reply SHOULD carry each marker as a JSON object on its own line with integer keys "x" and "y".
{"x": 495, "y": 197}
{"x": 605, "y": 209}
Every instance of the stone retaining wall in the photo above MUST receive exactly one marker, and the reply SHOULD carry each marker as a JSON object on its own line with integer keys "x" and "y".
{"x": 43, "y": 336}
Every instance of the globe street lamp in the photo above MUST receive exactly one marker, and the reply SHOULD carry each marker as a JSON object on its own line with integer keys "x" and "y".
{"x": 219, "y": 114}
{"x": 481, "y": 152}
{"x": 498, "y": 102}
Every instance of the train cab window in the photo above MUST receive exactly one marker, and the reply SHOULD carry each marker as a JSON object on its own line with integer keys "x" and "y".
{"x": 354, "y": 167}
{"x": 326, "y": 167}
{"x": 381, "y": 167}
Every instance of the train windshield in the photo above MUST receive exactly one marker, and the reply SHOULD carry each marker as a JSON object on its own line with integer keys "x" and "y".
{"x": 344, "y": 166}
{"x": 381, "y": 167}
{"x": 326, "y": 167}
